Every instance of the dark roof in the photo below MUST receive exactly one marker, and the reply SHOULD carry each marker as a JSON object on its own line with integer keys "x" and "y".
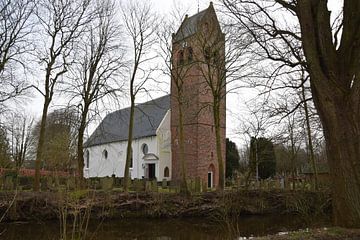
{"x": 115, "y": 125}
{"x": 189, "y": 26}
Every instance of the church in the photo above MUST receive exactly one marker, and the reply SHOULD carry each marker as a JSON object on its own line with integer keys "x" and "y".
{"x": 198, "y": 50}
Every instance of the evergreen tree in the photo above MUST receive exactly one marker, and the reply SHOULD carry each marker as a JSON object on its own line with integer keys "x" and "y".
{"x": 232, "y": 158}
{"x": 262, "y": 155}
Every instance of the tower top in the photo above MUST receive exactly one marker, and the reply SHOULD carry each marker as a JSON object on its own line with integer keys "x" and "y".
{"x": 191, "y": 25}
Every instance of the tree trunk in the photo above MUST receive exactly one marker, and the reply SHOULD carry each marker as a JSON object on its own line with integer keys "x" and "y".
{"x": 216, "y": 115}
{"x": 342, "y": 146}
{"x": 335, "y": 87}
{"x": 129, "y": 149}
{"x": 309, "y": 137}
{"x": 183, "y": 184}
{"x": 40, "y": 146}
{"x": 80, "y": 147}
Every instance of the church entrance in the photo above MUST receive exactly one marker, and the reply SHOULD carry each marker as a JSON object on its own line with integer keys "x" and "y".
{"x": 210, "y": 176}
{"x": 151, "y": 171}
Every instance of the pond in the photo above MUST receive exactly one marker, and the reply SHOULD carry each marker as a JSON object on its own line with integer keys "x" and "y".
{"x": 164, "y": 229}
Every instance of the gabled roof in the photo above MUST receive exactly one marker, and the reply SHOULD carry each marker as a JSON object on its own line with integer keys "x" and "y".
{"x": 147, "y": 118}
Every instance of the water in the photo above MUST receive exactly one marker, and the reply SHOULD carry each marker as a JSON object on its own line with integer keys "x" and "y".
{"x": 163, "y": 229}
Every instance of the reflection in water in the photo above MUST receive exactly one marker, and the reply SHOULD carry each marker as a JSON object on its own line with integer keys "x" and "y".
{"x": 161, "y": 229}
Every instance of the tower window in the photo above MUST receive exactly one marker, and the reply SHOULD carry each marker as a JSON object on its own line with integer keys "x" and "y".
{"x": 216, "y": 57}
{"x": 181, "y": 58}
{"x": 207, "y": 54}
{"x": 190, "y": 54}
{"x": 105, "y": 154}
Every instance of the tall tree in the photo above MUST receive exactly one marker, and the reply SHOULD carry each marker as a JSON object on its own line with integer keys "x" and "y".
{"x": 62, "y": 23}
{"x": 140, "y": 24}
{"x": 97, "y": 68}
{"x": 332, "y": 62}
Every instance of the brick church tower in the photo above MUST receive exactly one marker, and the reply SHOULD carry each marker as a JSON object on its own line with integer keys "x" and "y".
{"x": 198, "y": 52}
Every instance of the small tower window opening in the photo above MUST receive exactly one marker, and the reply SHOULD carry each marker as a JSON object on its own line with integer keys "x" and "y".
{"x": 105, "y": 154}
{"x": 216, "y": 57}
{"x": 181, "y": 58}
{"x": 207, "y": 54}
{"x": 206, "y": 27}
{"x": 190, "y": 54}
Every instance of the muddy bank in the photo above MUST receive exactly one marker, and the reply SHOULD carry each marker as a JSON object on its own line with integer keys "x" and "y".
{"x": 26, "y": 206}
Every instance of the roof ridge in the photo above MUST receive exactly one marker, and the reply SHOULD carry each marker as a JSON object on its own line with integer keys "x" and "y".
{"x": 137, "y": 105}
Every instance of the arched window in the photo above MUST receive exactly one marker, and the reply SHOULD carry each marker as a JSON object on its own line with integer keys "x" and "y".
{"x": 87, "y": 159}
{"x": 181, "y": 57}
{"x": 105, "y": 154}
{"x": 190, "y": 54}
{"x": 145, "y": 148}
{"x": 166, "y": 172}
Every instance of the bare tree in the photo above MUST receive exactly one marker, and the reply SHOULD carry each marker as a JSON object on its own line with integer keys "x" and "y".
{"x": 97, "y": 68}
{"x": 5, "y": 155}
{"x": 15, "y": 28}
{"x": 21, "y": 138}
{"x": 140, "y": 24}
{"x": 332, "y": 62}
{"x": 62, "y": 23}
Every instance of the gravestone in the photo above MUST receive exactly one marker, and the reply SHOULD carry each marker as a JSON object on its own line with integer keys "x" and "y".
{"x": 147, "y": 186}
{"x": 9, "y": 183}
{"x": 164, "y": 183}
{"x": 154, "y": 187}
{"x": 106, "y": 183}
